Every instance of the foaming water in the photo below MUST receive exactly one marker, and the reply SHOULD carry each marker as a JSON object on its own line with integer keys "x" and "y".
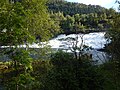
{"x": 94, "y": 40}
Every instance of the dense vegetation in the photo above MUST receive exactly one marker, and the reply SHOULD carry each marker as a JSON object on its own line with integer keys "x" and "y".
{"x": 76, "y": 17}
{"x": 71, "y": 8}
{"x": 28, "y": 21}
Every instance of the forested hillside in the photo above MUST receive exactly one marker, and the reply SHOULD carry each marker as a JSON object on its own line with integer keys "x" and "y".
{"x": 72, "y": 8}
{"x": 78, "y": 17}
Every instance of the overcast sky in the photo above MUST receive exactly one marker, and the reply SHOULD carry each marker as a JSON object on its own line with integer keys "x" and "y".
{"x": 104, "y": 3}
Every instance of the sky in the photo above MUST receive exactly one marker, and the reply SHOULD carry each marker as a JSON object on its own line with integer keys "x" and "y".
{"x": 103, "y": 3}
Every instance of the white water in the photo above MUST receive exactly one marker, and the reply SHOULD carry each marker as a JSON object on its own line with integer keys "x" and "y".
{"x": 94, "y": 40}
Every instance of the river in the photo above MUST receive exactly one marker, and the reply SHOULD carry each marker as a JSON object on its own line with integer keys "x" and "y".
{"x": 94, "y": 40}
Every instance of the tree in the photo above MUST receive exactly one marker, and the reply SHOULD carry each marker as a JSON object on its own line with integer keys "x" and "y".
{"x": 19, "y": 25}
{"x": 114, "y": 48}
{"x": 22, "y": 23}
{"x": 67, "y": 24}
{"x": 72, "y": 74}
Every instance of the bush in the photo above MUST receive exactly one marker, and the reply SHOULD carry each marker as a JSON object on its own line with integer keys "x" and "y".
{"x": 71, "y": 74}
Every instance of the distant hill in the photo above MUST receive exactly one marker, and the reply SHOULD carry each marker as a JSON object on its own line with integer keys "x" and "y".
{"x": 74, "y": 17}
{"x": 71, "y": 8}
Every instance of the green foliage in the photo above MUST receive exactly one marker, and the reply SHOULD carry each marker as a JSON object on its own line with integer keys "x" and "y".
{"x": 70, "y": 73}
{"x": 114, "y": 35}
{"x": 77, "y": 17}
{"x": 82, "y": 23}
{"x": 27, "y": 22}
{"x": 70, "y": 8}
{"x": 26, "y": 81}
{"x": 22, "y": 23}
{"x": 63, "y": 72}
{"x": 113, "y": 49}
{"x": 21, "y": 57}
{"x": 23, "y": 81}
{"x": 112, "y": 74}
